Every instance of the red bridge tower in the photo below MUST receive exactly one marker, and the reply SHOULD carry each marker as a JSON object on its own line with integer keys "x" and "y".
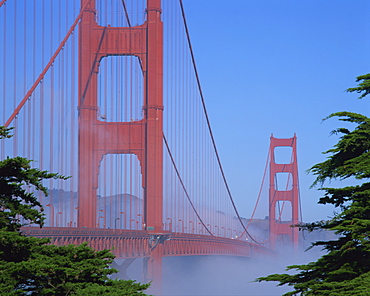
{"x": 280, "y": 229}
{"x": 144, "y": 138}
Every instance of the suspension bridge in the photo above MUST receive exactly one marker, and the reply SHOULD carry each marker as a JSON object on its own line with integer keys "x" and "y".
{"x": 107, "y": 92}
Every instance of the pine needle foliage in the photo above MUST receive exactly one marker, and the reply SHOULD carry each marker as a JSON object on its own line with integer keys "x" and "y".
{"x": 18, "y": 181}
{"x": 363, "y": 87}
{"x": 40, "y": 268}
{"x": 33, "y": 266}
{"x": 345, "y": 268}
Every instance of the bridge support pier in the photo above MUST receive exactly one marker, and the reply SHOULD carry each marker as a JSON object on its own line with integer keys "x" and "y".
{"x": 153, "y": 270}
{"x": 153, "y": 264}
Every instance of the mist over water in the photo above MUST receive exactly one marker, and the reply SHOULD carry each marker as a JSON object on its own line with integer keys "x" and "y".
{"x": 223, "y": 275}
{"x": 216, "y": 275}
{"x": 228, "y": 275}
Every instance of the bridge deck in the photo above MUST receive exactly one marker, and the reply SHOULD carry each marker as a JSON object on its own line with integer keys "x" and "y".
{"x": 136, "y": 243}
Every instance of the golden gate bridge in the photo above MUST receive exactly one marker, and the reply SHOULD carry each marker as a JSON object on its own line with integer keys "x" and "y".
{"x": 107, "y": 92}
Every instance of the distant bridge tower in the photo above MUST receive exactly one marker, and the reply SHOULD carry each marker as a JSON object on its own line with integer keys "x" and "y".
{"x": 283, "y": 197}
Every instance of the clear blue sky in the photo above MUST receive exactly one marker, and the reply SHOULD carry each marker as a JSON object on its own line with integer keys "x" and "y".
{"x": 277, "y": 66}
{"x": 273, "y": 66}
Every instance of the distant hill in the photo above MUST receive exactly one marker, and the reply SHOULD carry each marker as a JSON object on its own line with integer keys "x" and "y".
{"x": 119, "y": 209}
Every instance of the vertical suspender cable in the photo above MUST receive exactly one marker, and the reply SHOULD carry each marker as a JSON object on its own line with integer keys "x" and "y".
{"x": 15, "y": 152}
{"x": 33, "y": 124}
{"x": 75, "y": 209}
{"x": 183, "y": 186}
{"x": 4, "y": 79}
{"x": 62, "y": 125}
{"x": 52, "y": 99}
{"x": 260, "y": 191}
{"x": 25, "y": 119}
{"x": 51, "y": 61}
{"x": 209, "y": 125}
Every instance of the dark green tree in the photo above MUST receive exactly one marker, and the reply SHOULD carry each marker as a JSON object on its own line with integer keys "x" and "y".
{"x": 18, "y": 182}
{"x": 38, "y": 268}
{"x": 33, "y": 266}
{"x": 345, "y": 268}
{"x": 17, "y": 200}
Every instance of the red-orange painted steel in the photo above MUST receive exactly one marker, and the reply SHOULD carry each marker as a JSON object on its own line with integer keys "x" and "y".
{"x": 134, "y": 243}
{"x": 2, "y": 2}
{"x": 46, "y": 69}
{"x": 144, "y": 137}
{"x": 280, "y": 228}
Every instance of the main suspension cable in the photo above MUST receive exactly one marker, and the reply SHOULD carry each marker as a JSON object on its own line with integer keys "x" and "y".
{"x": 126, "y": 13}
{"x": 208, "y": 122}
{"x": 51, "y": 62}
{"x": 2, "y": 2}
{"x": 183, "y": 185}
{"x": 168, "y": 148}
{"x": 260, "y": 191}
